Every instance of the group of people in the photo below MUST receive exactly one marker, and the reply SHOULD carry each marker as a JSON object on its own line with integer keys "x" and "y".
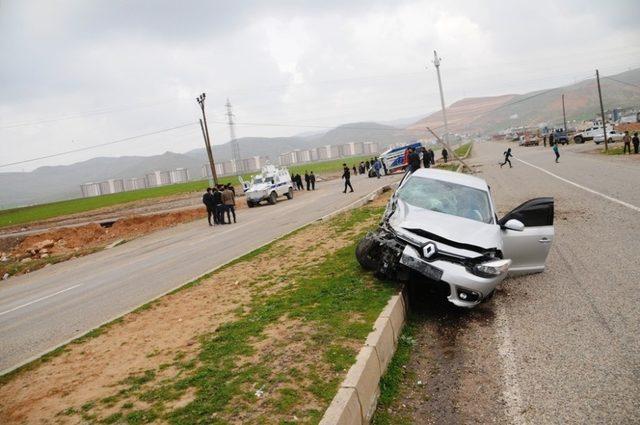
{"x": 414, "y": 161}
{"x": 309, "y": 179}
{"x": 365, "y": 166}
{"x": 627, "y": 140}
{"x": 219, "y": 200}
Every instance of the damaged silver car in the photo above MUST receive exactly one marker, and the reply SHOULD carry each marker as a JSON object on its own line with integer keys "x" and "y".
{"x": 442, "y": 227}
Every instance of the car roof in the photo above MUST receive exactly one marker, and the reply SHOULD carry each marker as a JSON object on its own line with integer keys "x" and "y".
{"x": 453, "y": 177}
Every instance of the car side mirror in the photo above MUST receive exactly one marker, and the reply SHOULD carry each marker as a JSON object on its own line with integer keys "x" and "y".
{"x": 513, "y": 224}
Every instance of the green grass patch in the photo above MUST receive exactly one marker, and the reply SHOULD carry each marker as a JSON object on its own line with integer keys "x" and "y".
{"x": 615, "y": 150}
{"x": 391, "y": 382}
{"x": 448, "y": 167}
{"x": 462, "y": 150}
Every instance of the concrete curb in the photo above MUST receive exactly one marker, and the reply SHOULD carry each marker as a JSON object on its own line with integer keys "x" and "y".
{"x": 361, "y": 201}
{"x": 357, "y": 397}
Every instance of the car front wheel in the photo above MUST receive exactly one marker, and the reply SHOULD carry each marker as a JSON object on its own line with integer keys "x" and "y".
{"x": 578, "y": 139}
{"x": 366, "y": 252}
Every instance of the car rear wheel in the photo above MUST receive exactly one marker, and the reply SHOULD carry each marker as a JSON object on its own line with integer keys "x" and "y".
{"x": 578, "y": 139}
{"x": 289, "y": 194}
{"x": 273, "y": 198}
{"x": 250, "y": 204}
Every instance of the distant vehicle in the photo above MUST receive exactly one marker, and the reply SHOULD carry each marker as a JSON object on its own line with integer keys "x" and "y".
{"x": 532, "y": 141}
{"x": 587, "y": 134}
{"x": 271, "y": 183}
{"x": 394, "y": 159}
{"x": 612, "y": 136}
{"x": 560, "y": 136}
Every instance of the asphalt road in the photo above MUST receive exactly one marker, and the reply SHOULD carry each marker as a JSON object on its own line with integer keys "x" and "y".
{"x": 559, "y": 347}
{"x": 48, "y": 307}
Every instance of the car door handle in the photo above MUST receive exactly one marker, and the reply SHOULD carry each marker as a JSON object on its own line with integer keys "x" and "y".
{"x": 544, "y": 240}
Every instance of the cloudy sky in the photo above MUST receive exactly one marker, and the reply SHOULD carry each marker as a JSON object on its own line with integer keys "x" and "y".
{"x": 75, "y": 74}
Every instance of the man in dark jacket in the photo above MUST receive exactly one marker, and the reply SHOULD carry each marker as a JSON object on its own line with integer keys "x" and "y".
{"x": 207, "y": 200}
{"x": 312, "y": 179}
{"x": 346, "y": 175}
{"x": 445, "y": 155}
{"x": 218, "y": 206}
{"x": 307, "y": 180}
{"x": 432, "y": 156}
{"x": 426, "y": 159}
{"x": 414, "y": 160}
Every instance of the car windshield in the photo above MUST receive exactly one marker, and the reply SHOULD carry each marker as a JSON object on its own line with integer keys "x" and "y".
{"x": 448, "y": 198}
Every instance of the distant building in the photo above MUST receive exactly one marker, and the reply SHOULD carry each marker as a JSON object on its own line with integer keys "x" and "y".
{"x": 135, "y": 183}
{"x": 90, "y": 189}
{"x": 111, "y": 186}
{"x": 179, "y": 175}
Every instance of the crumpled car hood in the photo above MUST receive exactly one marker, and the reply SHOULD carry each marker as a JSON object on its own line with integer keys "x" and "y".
{"x": 456, "y": 229}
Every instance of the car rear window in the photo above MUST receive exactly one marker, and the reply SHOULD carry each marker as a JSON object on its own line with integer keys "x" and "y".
{"x": 448, "y": 198}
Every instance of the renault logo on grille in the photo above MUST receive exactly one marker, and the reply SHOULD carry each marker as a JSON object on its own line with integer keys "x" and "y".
{"x": 429, "y": 250}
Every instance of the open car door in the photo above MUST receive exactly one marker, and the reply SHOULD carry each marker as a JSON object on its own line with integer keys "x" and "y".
{"x": 528, "y": 248}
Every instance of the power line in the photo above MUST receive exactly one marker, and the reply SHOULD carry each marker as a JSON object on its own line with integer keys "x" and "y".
{"x": 623, "y": 82}
{"x": 86, "y": 148}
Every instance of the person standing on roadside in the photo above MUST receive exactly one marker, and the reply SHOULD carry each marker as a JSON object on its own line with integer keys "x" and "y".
{"x": 355, "y": 170}
{"x": 445, "y": 155}
{"x": 426, "y": 159}
{"x": 626, "y": 139}
{"x": 218, "y": 207}
{"x": 507, "y": 154}
{"x": 307, "y": 180}
{"x": 556, "y": 151}
{"x": 544, "y": 140}
{"x": 299, "y": 182}
{"x": 414, "y": 160}
{"x": 229, "y": 201}
{"x": 312, "y": 179}
{"x": 207, "y": 200}
{"x": 367, "y": 165}
{"x": 432, "y": 156}
{"x": 346, "y": 175}
{"x": 384, "y": 167}
{"x": 636, "y": 142}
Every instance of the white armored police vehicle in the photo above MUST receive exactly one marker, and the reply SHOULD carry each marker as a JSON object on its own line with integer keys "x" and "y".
{"x": 271, "y": 183}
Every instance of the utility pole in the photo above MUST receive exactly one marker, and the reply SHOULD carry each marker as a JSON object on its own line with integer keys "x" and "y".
{"x": 564, "y": 117}
{"x": 449, "y": 149}
{"x": 235, "y": 147}
{"x": 205, "y": 134}
{"x": 604, "y": 121}
{"x": 436, "y": 62}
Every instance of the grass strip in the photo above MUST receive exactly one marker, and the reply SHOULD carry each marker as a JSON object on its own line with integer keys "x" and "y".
{"x": 390, "y": 384}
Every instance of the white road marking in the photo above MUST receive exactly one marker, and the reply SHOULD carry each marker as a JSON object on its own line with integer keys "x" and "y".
{"x": 40, "y": 299}
{"x": 595, "y": 192}
{"x": 506, "y": 351}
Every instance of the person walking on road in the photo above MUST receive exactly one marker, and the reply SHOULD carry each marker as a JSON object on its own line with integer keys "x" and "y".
{"x": 507, "y": 154}
{"x": 556, "y": 151}
{"x": 627, "y": 143}
{"x": 445, "y": 155}
{"x": 636, "y": 142}
{"x": 229, "y": 201}
{"x": 312, "y": 179}
{"x": 307, "y": 180}
{"x": 376, "y": 167}
{"x": 207, "y": 200}
{"x": 346, "y": 175}
{"x": 218, "y": 207}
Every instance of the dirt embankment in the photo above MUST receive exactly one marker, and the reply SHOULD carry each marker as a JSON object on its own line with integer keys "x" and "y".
{"x": 101, "y": 378}
{"x": 20, "y": 255}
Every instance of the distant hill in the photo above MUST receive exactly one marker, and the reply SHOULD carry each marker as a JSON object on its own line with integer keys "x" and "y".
{"x": 581, "y": 102}
{"x": 46, "y": 184}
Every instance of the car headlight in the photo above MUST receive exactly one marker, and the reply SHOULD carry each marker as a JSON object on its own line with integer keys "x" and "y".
{"x": 492, "y": 268}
